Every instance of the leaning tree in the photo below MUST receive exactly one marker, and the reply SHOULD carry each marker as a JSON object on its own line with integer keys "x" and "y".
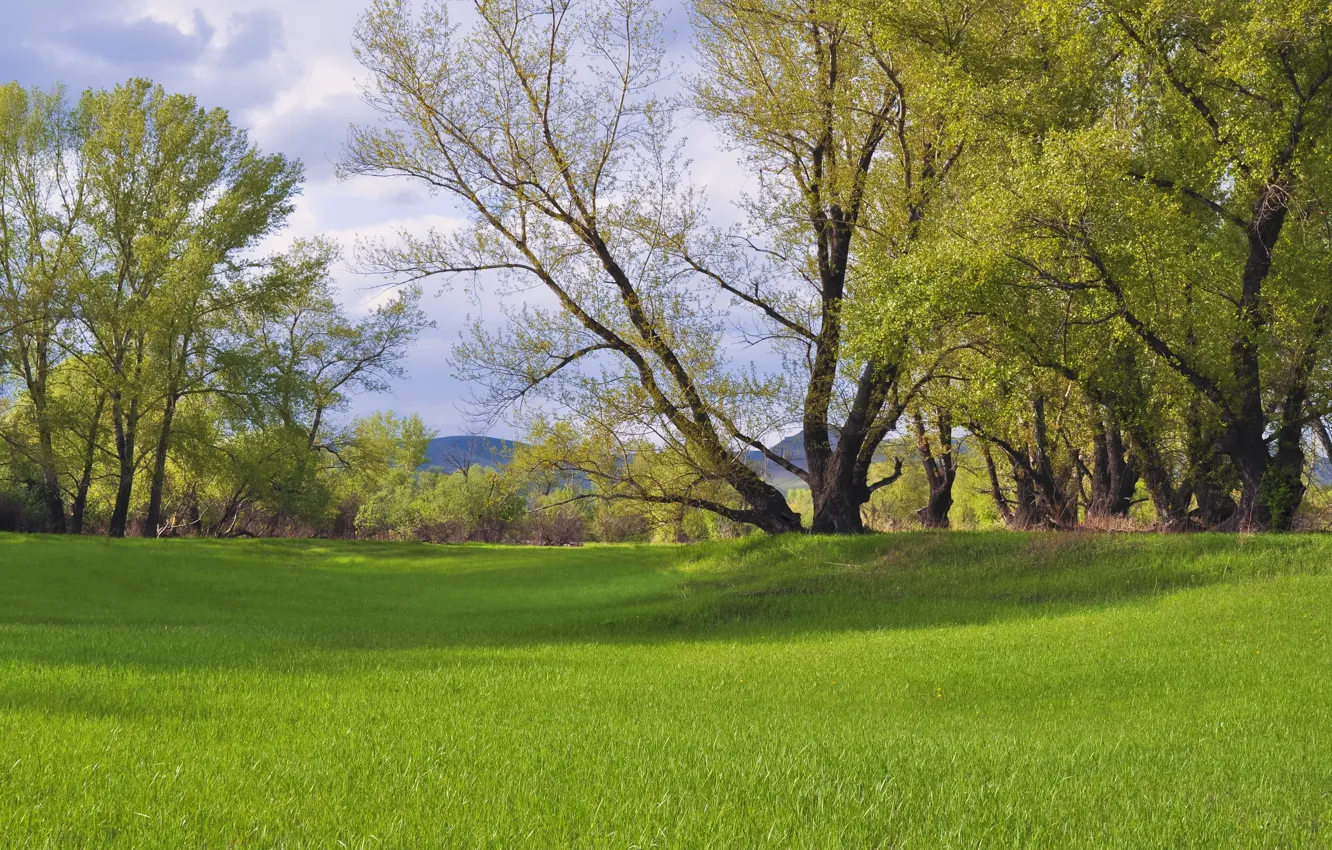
{"x": 543, "y": 120}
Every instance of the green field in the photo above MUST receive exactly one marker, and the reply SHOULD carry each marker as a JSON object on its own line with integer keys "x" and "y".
{"x": 912, "y": 690}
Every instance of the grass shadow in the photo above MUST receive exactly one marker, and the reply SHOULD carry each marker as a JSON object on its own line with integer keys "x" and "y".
{"x": 283, "y": 604}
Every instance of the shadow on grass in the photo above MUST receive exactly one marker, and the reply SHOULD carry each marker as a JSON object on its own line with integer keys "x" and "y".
{"x": 288, "y": 604}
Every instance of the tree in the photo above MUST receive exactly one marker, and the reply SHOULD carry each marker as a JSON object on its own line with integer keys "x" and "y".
{"x": 43, "y": 205}
{"x": 1188, "y": 209}
{"x": 307, "y": 355}
{"x": 938, "y": 457}
{"x": 855, "y": 125}
{"x": 177, "y": 193}
{"x": 574, "y": 184}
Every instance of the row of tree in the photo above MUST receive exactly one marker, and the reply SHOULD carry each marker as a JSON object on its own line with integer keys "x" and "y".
{"x": 1091, "y": 234}
{"x": 144, "y": 340}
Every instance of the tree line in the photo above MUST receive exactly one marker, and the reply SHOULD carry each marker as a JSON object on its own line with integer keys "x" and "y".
{"x": 1074, "y": 253}
{"x": 160, "y": 372}
{"x": 1081, "y": 244}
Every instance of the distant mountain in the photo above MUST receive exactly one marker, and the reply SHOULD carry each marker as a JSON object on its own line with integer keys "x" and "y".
{"x": 450, "y": 454}
{"x": 793, "y": 449}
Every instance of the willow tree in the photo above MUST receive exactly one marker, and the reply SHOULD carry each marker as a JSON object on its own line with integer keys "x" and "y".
{"x": 1189, "y": 210}
{"x": 856, "y": 123}
{"x": 542, "y": 120}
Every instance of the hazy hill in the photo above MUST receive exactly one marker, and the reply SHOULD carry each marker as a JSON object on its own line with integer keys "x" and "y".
{"x": 459, "y": 452}
{"x": 793, "y": 449}
{"x": 451, "y": 454}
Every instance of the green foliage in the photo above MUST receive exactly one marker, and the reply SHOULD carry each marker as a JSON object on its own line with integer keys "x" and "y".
{"x": 1087, "y": 241}
{"x": 474, "y": 504}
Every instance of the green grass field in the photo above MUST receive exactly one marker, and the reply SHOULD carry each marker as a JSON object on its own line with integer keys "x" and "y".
{"x": 913, "y": 690}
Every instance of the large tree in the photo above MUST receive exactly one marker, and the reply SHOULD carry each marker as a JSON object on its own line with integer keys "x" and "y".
{"x": 542, "y": 121}
{"x": 1189, "y": 210}
{"x": 855, "y": 123}
{"x": 43, "y": 208}
{"x": 178, "y": 194}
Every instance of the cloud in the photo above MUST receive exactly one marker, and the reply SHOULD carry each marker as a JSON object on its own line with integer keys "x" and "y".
{"x": 315, "y": 134}
{"x": 253, "y": 36}
{"x": 124, "y": 43}
{"x": 26, "y": 52}
{"x": 285, "y": 71}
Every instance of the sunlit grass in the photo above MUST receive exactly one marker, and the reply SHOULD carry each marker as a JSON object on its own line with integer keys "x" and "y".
{"x": 927, "y": 690}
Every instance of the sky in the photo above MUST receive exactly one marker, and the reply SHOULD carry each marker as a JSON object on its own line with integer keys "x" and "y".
{"x": 285, "y": 71}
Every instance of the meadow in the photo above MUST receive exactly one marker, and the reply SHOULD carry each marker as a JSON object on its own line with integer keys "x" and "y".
{"x": 921, "y": 690}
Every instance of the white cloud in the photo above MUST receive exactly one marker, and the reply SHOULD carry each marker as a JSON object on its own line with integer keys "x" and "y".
{"x": 287, "y": 73}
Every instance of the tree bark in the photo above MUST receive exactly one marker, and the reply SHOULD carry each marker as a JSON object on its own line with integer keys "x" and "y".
{"x": 173, "y": 393}
{"x": 1000, "y": 502}
{"x": 940, "y": 469}
{"x": 1114, "y": 477}
{"x": 153, "y": 519}
{"x": 1041, "y": 495}
{"x": 126, "y": 422}
{"x": 35, "y": 358}
{"x": 80, "y": 504}
{"x": 51, "y": 495}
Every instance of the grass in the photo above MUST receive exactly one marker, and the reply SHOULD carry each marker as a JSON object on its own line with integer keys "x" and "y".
{"x": 913, "y": 691}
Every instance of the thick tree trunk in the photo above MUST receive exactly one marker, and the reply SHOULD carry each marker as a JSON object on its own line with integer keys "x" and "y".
{"x": 1283, "y": 483}
{"x": 1114, "y": 477}
{"x": 1250, "y": 457}
{"x": 1171, "y": 501}
{"x": 768, "y": 508}
{"x": 837, "y": 511}
{"x": 839, "y": 467}
{"x": 1026, "y": 512}
{"x": 935, "y": 512}
{"x": 1041, "y": 496}
{"x": 1244, "y": 439}
{"x": 940, "y": 469}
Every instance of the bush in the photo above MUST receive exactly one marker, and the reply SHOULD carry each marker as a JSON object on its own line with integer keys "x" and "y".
{"x": 20, "y": 511}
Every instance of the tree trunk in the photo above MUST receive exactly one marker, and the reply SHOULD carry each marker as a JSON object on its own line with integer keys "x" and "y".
{"x": 1026, "y": 512}
{"x": 1170, "y": 501}
{"x": 154, "y": 518}
{"x": 837, "y": 511}
{"x": 1283, "y": 483}
{"x": 1324, "y": 438}
{"x": 940, "y": 470}
{"x": 1000, "y": 503}
{"x": 1244, "y": 439}
{"x": 36, "y": 369}
{"x": 126, "y": 422}
{"x": 80, "y": 504}
{"x": 51, "y": 496}
{"x": 768, "y": 509}
{"x": 1114, "y": 477}
{"x": 1060, "y": 508}
{"x": 840, "y": 462}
